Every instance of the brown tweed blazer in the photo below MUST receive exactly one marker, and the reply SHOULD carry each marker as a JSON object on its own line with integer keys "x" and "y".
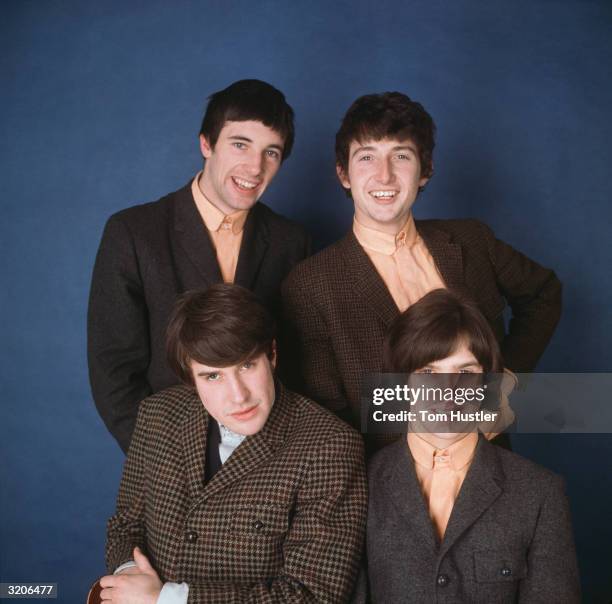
{"x": 283, "y": 520}
{"x": 337, "y": 308}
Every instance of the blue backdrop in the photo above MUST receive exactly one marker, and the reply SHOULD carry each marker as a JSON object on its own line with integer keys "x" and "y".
{"x": 100, "y": 108}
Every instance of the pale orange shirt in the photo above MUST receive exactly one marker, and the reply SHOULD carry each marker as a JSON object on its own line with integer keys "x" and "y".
{"x": 402, "y": 260}
{"x": 440, "y": 473}
{"x": 225, "y": 231}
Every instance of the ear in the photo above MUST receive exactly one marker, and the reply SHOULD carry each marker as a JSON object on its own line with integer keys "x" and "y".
{"x": 425, "y": 179}
{"x": 273, "y": 355}
{"x": 205, "y": 148}
{"x": 343, "y": 177}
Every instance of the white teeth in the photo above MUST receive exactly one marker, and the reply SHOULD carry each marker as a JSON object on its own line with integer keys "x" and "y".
{"x": 383, "y": 194}
{"x": 244, "y": 184}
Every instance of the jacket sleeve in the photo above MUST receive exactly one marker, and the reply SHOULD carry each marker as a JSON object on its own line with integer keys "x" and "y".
{"x": 551, "y": 561}
{"x": 118, "y": 348}
{"x": 323, "y": 547}
{"x": 311, "y": 368}
{"x": 534, "y": 296}
{"x": 126, "y": 530}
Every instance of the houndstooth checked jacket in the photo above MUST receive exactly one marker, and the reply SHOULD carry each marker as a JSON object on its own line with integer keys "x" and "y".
{"x": 336, "y": 307}
{"x": 283, "y": 520}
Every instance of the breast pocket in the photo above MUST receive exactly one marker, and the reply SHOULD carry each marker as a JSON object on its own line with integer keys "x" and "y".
{"x": 499, "y": 566}
{"x": 264, "y": 519}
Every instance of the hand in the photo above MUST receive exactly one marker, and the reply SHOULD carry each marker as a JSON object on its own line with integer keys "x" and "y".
{"x": 136, "y": 585}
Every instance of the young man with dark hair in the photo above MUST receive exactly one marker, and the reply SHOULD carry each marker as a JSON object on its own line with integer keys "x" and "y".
{"x": 451, "y": 517}
{"x": 339, "y": 303}
{"x": 234, "y": 488}
{"x": 212, "y": 230}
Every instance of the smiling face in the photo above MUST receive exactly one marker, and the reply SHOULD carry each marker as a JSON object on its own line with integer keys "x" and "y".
{"x": 240, "y": 396}
{"x": 243, "y": 162}
{"x": 384, "y": 178}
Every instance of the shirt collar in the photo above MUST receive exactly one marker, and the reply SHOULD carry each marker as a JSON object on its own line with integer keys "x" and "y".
{"x": 384, "y": 242}
{"x": 213, "y": 217}
{"x": 229, "y": 438}
{"x": 459, "y": 454}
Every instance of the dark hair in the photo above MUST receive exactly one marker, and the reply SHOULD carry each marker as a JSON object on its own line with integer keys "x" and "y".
{"x": 249, "y": 100}
{"x": 387, "y": 115}
{"x": 430, "y": 330}
{"x": 221, "y": 326}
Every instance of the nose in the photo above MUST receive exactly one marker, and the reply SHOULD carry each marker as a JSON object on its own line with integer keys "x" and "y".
{"x": 385, "y": 172}
{"x": 239, "y": 392}
{"x": 255, "y": 164}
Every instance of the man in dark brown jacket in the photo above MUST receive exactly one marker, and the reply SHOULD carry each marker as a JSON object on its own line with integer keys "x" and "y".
{"x": 234, "y": 488}
{"x": 213, "y": 230}
{"x": 339, "y": 303}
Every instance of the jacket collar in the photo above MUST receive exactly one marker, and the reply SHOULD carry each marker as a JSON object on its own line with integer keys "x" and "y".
{"x": 481, "y": 487}
{"x": 193, "y": 238}
{"x": 253, "y": 450}
{"x": 447, "y": 255}
{"x": 371, "y": 287}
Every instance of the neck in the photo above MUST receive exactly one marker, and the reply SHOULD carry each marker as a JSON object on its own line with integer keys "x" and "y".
{"x": 389, "y": 228}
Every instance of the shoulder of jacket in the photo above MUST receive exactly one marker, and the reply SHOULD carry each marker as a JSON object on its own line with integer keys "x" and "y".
{"x": 150, "y": 211}
{"x": 319, "y": 267}
{"x": 452, "y": 225}
{"x": 520, "y": 469}
{"x": 172, "y": 401}
{"x": 317, "y": 424}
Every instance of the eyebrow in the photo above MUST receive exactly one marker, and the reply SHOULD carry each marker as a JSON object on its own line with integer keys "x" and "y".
{"x": 396, "y": 148}
{"x": 205, "y": 373}
{"x": 246, "y": 139}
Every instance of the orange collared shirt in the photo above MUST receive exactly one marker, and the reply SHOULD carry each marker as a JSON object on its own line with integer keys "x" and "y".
{"x": 441, "y": 473}
{"x": 225, "y": 231}
{"x": 403, "y": 262}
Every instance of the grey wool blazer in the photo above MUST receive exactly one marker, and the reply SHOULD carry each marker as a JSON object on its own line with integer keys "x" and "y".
{"x": 283, "y": 520}
{"x": 509, "y": 537}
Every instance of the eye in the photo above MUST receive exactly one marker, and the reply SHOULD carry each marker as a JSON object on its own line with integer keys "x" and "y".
{"x": 213, "y": 377}
{"x": 247, "y": 365}
{"x": 403, "y": 156}
{"x": 273, "y": 154}
{"x": 425, "y": 370}
{"x": 366, "y": 158}
{"x": 239, "y": 145}
{"x": 465, "y": 371}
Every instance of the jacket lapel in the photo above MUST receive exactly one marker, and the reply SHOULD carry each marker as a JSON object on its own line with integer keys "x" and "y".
{"x": 447, "y": 256}
{"x": 255, "y": 241}
{"x": 369, "y": 285}
{"x": 192, "y": 236}
{"x": 404, "y": 490}
{"x": 194, "y": 433}
{"x": 480, "y": 489}
{"x": 255, "y": 449}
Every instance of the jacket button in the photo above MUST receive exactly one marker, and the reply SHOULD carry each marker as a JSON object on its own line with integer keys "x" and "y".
{"x": 506, "y": 572}
{"x": 258, "y": 525}
{"x": 191, "y": 536}
{"x": 443, "y": 580}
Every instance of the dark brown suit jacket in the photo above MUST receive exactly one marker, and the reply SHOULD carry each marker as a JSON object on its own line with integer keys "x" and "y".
{"x": 509, "y": 537}
{"x": 283, "y": 520}
{"x": 149, "y": 254}
{"x": 337, "y": 308}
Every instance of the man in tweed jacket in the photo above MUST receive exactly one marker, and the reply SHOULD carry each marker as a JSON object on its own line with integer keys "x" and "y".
{"x": 235, "y": 489}
{"x": 339, "y": 303}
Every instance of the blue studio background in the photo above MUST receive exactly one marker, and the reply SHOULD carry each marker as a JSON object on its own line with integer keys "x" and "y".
{"x": 100, "y": 109}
